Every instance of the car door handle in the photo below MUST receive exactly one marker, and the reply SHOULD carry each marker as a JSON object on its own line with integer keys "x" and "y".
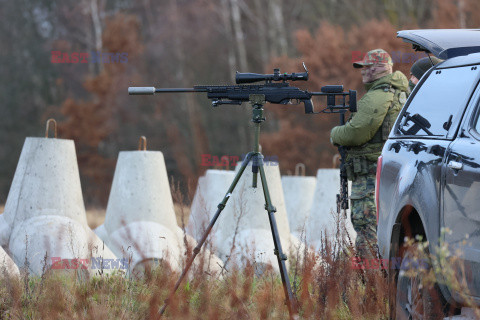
{"x": 415, "y": 147}
{"x": 455, "y": 165}
{"x": 395, "y": 146}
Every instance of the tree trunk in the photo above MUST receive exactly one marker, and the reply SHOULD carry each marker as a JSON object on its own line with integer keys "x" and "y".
{"x": 461, "y": 14}
{"x": 279, "y": 25}
{"x": 177, "y": 43}
{"x": 197, "y": 141}
{"x": 97, "y": 29}
{"x": 239, "y": 36}
{"x": 225, "y": 15}
{"x": 261, "y": 27}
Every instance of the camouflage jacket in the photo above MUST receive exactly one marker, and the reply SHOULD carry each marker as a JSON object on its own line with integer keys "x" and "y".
{"x": 367, "y": 130}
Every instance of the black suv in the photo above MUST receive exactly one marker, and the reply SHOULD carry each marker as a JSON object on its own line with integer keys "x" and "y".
{"x": 428, "y": 177}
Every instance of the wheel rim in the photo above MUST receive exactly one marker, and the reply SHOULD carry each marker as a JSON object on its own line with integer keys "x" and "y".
{"x": 414, "y": 305}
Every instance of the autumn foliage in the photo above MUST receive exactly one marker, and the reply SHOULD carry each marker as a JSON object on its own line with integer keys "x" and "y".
{"x": 181, "y": 44}
{"x": 90, "y": 123}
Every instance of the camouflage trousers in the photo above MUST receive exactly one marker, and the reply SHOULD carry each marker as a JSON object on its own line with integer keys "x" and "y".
{"x": 364, "y": 213}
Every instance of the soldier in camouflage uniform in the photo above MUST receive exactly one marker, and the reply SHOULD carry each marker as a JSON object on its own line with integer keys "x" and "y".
{"x": 364, "y": 136}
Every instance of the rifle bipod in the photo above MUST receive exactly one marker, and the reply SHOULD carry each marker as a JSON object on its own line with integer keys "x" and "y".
{"x": 256, "y": 157}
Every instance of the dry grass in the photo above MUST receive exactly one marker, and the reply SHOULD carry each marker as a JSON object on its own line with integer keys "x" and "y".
{"x": 331, "y": 290}
{"x": 327, "y": 290}
{"x": 182, "y": 211}
{"x": 324, "y": 284}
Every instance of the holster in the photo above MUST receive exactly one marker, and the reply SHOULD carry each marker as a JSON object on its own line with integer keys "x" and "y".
{"x": 356, "y": 166}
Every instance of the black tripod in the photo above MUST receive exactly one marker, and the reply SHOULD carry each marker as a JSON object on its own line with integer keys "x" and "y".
{"x": 257, "y": 101}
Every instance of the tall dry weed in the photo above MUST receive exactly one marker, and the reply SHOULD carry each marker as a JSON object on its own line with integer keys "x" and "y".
{"x": 325, "y": 286}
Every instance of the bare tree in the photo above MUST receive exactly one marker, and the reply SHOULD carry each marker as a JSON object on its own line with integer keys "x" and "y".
{"x": 177, "y": 41}
{"x": 239, "y": 36}
{"x": 278, "y": 27}
{"x": 261, "y": 26}
{"x": 94, "y": 9}
{"x": 461, "y": 13}
{"x": 97, "y": 25}
{"x": 227, "y": 27}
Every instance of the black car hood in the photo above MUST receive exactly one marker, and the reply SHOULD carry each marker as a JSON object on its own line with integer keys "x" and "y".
{"x": 443, "y": 43}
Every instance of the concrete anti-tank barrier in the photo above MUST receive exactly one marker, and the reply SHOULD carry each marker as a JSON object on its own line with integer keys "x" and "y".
{"x": 210, "y": 191}
{"x": 140, "y": 218}
{"x": 7, "y": 265}
{"x": 247, "y": 228}
{"x": 140, "y": 222}
{"x": 45, "y": 212}
{"x": 242, "y": 231}
{"x": 323, "y": 219}
{"x": 298, "y": 192}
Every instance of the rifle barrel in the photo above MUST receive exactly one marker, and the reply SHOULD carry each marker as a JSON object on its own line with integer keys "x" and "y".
{"x": 178, "y": 90}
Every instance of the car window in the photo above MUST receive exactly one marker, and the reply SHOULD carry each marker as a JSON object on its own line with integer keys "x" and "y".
{"x": 438, "y": 105}
{"x": 477, "y": 125}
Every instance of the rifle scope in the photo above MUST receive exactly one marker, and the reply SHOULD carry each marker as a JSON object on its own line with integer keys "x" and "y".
{"x": 276, "y": 76}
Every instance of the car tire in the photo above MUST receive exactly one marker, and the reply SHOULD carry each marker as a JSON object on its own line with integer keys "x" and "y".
{"x": 414, "y": 299}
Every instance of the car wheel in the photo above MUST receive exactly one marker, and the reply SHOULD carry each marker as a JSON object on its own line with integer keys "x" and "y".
{"x": 415, "y": 299}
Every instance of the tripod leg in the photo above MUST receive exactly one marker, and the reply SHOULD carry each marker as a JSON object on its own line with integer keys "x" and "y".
{"x": 196, "y": 250}
{"x": 281, "y": 257}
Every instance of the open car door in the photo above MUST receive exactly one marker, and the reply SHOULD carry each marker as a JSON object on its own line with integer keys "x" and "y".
{"x": 443, "y": 43}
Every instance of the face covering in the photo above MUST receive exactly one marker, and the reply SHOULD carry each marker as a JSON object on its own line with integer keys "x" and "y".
{"x": 376, "y": 71}
{"x": 411, "y": 85}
